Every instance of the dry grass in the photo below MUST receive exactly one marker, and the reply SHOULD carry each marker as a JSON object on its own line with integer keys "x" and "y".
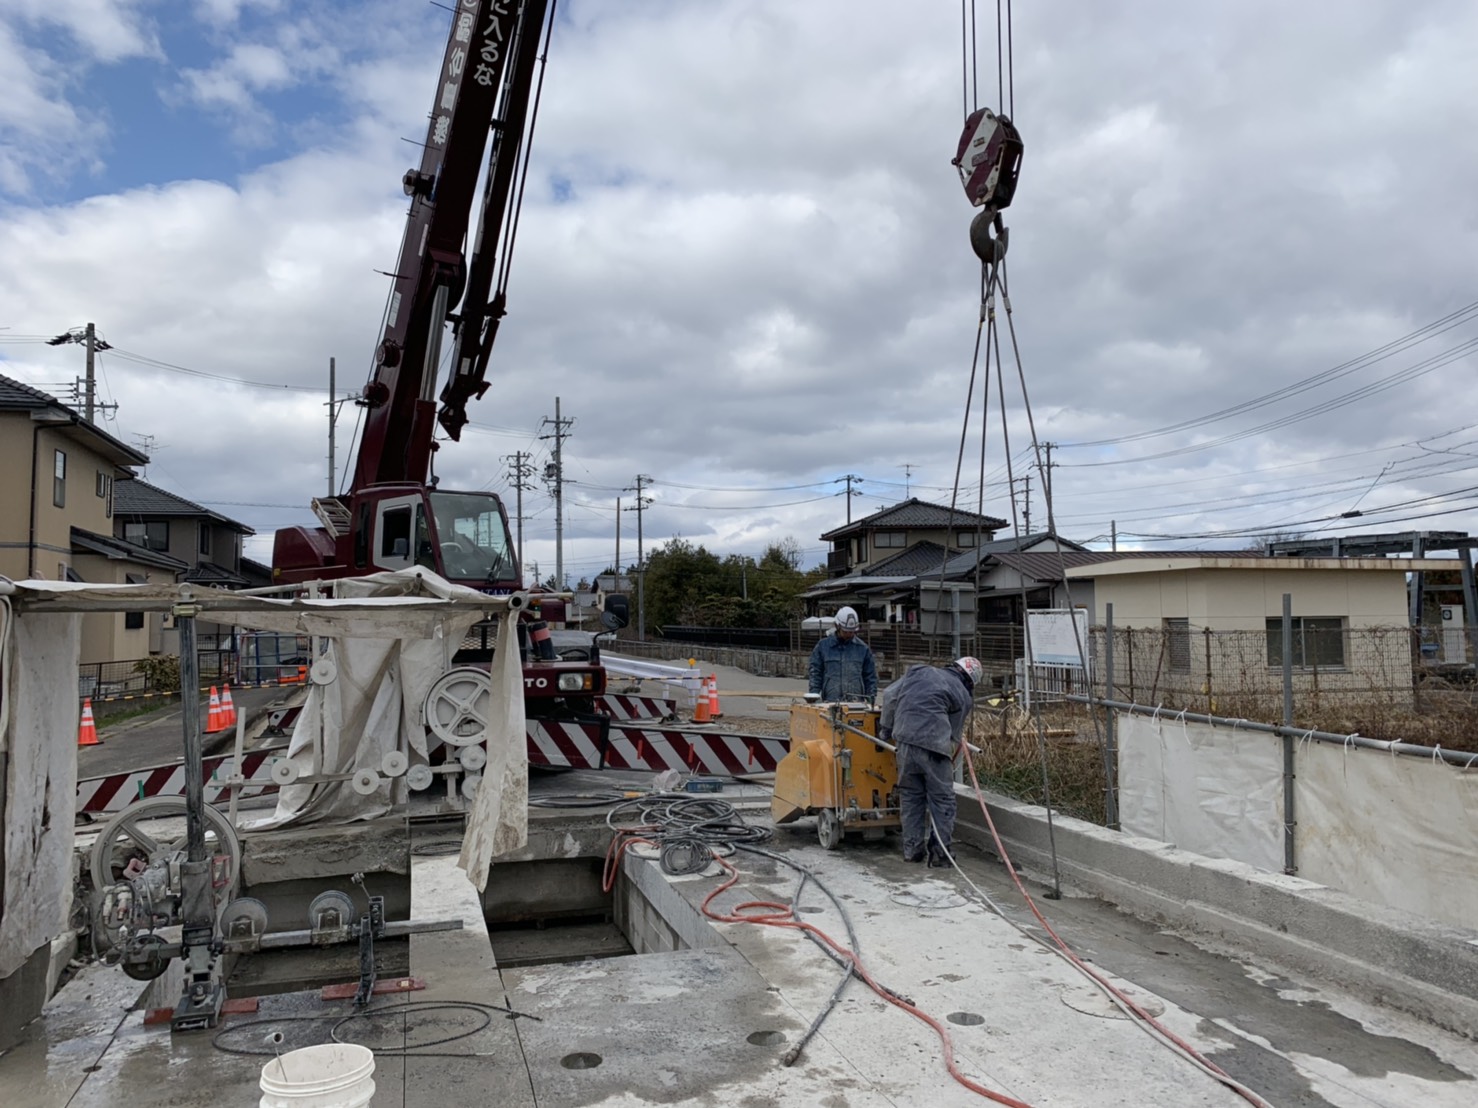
{"x": 1011, "y": 757}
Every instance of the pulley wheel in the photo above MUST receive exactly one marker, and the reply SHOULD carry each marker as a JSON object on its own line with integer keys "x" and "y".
{"x": 323, "y": 672}
{"x": 245, "y": 916}
{"x": 473, "y": 758}
{"x": 142, "y": 960}
{"x": 419, "y": 778}
{"x": 470, "y": 784}
{"x": 458, "y": 704}
{"x": 152, "y": 830}
{"x": 284, "y": 771}
{"x": 366, "y": 781}
{"x": 394, "y": 763}
{"x": 331, "y": 901}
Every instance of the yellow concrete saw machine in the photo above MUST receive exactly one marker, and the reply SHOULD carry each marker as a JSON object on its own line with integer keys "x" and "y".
{"x": 838, "y": 772}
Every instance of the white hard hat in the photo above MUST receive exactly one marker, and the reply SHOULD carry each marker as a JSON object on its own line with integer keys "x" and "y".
{"x": 971, "y": 668}
{"x": 847, "y": 620}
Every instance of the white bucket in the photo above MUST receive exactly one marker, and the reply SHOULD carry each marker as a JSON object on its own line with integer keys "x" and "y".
{"x": 334, "y": 1075}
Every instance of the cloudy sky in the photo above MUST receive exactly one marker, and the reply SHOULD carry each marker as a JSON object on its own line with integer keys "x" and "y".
{"x": 1242, "y": 257}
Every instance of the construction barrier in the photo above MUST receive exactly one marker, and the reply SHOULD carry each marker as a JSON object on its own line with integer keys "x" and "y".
{"x": 116, "y": 791}
{"x": 578, "y": 745}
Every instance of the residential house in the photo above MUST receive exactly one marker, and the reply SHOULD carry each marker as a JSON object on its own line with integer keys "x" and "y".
{"x": 859, "y": 547}
{"x": 57, "y": 510}
{"x": 1210, "y": 625}
{"x": 206, "y": 544}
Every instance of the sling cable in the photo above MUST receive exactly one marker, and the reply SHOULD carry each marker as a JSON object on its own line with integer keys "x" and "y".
{"x": 988, "y": 157}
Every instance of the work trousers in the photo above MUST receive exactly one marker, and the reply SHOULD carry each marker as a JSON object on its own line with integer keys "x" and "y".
{"x": 926, "y": 788}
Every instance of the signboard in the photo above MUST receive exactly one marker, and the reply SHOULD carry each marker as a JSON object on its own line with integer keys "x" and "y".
{"x": 1050, "y": 632}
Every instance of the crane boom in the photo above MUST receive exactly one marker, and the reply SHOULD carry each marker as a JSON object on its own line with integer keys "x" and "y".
{"x": 486, "y": 73}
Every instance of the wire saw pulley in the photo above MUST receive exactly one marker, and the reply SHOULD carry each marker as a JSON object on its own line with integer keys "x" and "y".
{"x": 989, "y": 160}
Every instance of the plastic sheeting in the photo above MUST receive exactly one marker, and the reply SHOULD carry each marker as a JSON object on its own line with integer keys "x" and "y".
{"x": 499, "y": 820}
{"x": 1398, "y": 831}
{"x": 1210, "y": 790}
{"x": 39, "y": 745}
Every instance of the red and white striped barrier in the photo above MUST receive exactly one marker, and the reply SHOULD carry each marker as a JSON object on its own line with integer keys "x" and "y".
{"x": 550, "y": 743}
{"x": 562, "y": 743}
{"x": 618, "y": 706}
{"x": 117, "y": 791}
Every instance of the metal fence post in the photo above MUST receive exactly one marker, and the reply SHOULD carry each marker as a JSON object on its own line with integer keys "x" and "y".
{"x": 1289, "y": 865}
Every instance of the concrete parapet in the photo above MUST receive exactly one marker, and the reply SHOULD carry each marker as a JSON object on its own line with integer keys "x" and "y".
{"x": 1395, "y": 958}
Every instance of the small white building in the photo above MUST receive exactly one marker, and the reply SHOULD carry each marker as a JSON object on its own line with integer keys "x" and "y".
{"x": 1209, "y": 628}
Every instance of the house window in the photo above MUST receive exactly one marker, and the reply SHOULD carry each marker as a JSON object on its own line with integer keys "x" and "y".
{"x": 153, "y": 535}
{"x": 1178, "y": 645}
{"x": 134, "y": 621}
{"x": 59, "y": 480}
{"x": 205, "y": 539}
{"x": 1318, "y": 642}
{"x": 105, "y": 492}
{"x": 882, "y": 539}
{"x": 965, "y": 540}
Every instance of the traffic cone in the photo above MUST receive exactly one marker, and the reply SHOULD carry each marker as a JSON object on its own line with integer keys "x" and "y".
{"x": 213, "y": 721}
{"x": 87, "y": 731}
{"x": 713, "y": 708}
{"x": 228, "y": 710}
{"x": 700, "y": 704}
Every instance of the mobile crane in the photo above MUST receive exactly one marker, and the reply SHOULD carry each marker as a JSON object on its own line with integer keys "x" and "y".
{"x": 393, "y": 515}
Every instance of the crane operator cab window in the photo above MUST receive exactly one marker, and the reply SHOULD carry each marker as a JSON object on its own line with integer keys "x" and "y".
{"x": 473, "y": 536}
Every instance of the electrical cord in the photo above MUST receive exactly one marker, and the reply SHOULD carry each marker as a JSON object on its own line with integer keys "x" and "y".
{"x": 340, "y": 1020}
{"x": 1058, "y": 946}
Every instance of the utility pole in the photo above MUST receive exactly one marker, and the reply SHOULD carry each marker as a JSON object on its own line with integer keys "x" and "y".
{"x": 1047, "y": 471}
{"x": 1113, "y": 534}
{"x": 617, "y": 583}
{"x": 333, "y": 414}
{"x": 520, "y": 473}
{"x": 87, "y": 336}
{"x": 642, "y": 481}
{"x": 1026, "y": 497}
{"x": 849, "y": 478}
{"x": 555, "y": 472}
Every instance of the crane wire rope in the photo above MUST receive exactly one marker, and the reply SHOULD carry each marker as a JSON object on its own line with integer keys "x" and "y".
{"x": 995, "y": 274}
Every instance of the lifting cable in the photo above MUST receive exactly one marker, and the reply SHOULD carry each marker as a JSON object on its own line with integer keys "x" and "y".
{"x": 988, "y": 159}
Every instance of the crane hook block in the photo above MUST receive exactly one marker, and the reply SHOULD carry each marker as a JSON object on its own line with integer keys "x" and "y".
{"x": 989, "y": 248}
{"x": 989, "y": 158}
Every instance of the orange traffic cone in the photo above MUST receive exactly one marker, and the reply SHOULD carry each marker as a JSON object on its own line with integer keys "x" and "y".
{"x": 700, "y": 704}
{"x": 213, "y": 721}
{"x": 713, "y": 708}
{"x": 228, "y": 710}
{"x": 87, "y": 731}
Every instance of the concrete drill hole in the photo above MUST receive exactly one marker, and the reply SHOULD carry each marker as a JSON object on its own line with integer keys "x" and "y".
{"x": 812, "y": 908}
{"x": 767, "y": 1038}
{"x": 581, "y": 1060}
{"x": 965, "y": 1019}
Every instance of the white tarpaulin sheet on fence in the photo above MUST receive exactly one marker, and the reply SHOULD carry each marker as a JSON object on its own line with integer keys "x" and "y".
{"x": 499, "y": 820}
{"x": 1211, "y": 790}
{"x": 1399, "y": 831}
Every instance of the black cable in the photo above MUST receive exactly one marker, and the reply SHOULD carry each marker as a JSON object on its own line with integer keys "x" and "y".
{"x": 221, "y": 1043}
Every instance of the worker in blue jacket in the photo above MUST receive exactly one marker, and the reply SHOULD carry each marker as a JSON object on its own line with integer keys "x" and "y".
{"x": 924, "y": 712}
{"x": 842, "y": 666}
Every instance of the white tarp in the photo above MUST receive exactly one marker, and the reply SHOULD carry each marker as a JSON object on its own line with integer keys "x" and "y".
{"x": 1398, "y": 831}
{"x": 38, "y": 753}
{"x": 499, "y": 820}
{"x": 1210, "y": 790}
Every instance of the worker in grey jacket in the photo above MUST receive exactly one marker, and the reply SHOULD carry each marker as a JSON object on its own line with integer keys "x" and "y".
{"x": 924, "y": 712}
{"x": 842, "y": 666}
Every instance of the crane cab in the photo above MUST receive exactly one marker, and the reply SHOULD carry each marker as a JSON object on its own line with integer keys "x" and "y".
{"x": 461, "y": 536}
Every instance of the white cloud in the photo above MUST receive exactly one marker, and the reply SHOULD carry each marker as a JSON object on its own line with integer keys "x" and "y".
{"x": 758, "y": 275}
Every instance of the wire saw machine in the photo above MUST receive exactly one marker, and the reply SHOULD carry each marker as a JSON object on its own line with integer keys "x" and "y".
{"x": 838, "y": 771}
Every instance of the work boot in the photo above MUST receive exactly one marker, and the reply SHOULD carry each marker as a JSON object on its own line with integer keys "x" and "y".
{"x": 938, "y": 861}
{"x": 914, "y": 858}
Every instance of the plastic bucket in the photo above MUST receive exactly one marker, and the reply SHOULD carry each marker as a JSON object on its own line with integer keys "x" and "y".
{"x": 334, "y": 1075}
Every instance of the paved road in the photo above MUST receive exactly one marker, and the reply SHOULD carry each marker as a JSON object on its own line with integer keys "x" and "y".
{"x": 158, "y": 737}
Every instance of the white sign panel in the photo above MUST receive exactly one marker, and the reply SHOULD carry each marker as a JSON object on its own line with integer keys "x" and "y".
{"x": 1052, "y": 638}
